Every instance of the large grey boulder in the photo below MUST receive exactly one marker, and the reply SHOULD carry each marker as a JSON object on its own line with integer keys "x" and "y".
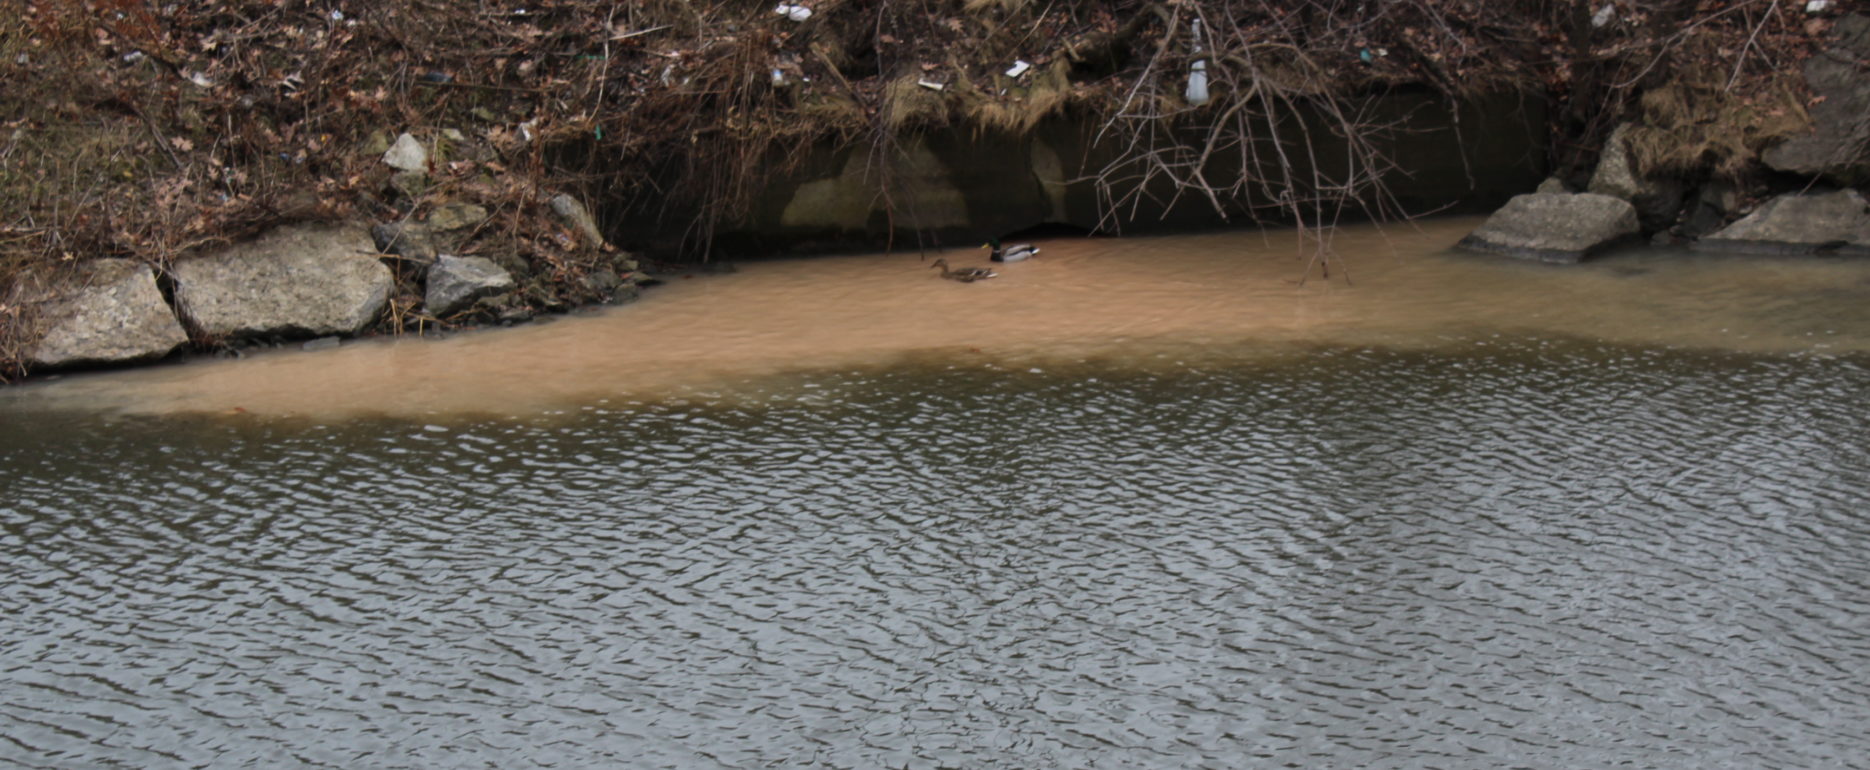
{"x": 1555, "y": 227}
{"x": 306, "y": 280}
{"x": 1834, "y": 222}
{"x": 109, "y": 311}
{"x": 1657, "y": 201}
{"x": 456, "y": 281}
{"x": 1839, "y": 146}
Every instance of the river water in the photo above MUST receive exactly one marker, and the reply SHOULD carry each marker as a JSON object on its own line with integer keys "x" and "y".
{"x": 1139, "y": 503}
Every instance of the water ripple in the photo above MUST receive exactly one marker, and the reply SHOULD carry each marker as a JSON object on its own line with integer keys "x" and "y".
{"x": 1540, "y": 555}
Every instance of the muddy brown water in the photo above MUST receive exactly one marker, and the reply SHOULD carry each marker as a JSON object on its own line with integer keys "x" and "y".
{"x": 1221, "y": 295}
{"x": 1140, "y": 503}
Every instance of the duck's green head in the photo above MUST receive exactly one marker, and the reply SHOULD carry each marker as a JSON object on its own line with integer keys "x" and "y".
{"x": 992, "y": 243}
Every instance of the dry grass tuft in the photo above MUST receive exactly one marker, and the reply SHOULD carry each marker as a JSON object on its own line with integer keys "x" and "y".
{"x": 990, "y": 6}
{"x": 909, "y": 104}
{"x": 1015, "y": 106}
{"x": 1696, "y": 126}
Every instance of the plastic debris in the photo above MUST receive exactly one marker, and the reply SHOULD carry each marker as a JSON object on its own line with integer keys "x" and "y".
{"x": 1197, "y": 93}
{"x": 1817, "y": 6}
{"x": 1604, "y": 15}
{"x": 793, "y": 12}
{"x": 779, "y": 77}
{"x": 1019, "y": 68}
{"x": 930, "y": 86}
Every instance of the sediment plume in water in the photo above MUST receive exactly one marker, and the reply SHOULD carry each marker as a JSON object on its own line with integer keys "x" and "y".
{"x": 1227, "y": 295}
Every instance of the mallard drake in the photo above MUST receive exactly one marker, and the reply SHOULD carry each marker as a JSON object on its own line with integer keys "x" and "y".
{"x": 1018, "y": 252}
{"x": 964, "y": 274}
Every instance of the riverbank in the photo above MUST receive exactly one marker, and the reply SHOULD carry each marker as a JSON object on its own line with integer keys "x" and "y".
{"x": 456, "y": 191}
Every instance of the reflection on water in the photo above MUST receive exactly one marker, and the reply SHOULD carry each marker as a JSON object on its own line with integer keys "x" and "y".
{"x": 1176, "y": 512}
{"x": 1225, "y": 295}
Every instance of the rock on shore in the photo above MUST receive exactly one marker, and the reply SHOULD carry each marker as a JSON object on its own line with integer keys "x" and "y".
{"x": 453, "y": 282}
{"x": 308, "y": 280}
{"x": 1836, "y": 223}
{"x": 110, "y": 311}
{"x": 1555, "y": 227}
{"x": 1839, "y": 145}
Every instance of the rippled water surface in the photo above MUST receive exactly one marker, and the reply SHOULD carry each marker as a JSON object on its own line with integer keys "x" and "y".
{"x": 1505, "y": 548}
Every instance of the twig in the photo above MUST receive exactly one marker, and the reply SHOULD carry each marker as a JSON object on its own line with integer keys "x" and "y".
{"x": 161, "y": 141}
{"x": 486, "y": 86}
{"x": 628, "y": 35}
{"x": 1740, "y": 59}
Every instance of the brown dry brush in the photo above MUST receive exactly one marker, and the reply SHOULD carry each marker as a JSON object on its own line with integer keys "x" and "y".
{"x": 1708, "y": 84}
{"x": 1282, "y": 72}
{"x": 147, "y": 130}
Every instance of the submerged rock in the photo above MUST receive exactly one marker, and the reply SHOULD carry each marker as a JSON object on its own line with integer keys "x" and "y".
{"x": 1839, "y": 146}
{"x": 1555, "y": 227}
{"x": 1834, "y": 222}
{"x": 109, "y": 312}
{"x": 455, "y": 281}
{"x": 308, "y": 280}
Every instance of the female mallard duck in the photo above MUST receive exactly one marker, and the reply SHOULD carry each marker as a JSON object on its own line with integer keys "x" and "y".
{"x": 965, "y": 274}
{"x": 1018, "y": 252}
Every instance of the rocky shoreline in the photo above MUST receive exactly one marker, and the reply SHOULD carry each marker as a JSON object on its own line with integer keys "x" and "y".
{"x": 321, "y": 280}
{"x": 1808, "y": 206}
{"x": 316, "y": 282}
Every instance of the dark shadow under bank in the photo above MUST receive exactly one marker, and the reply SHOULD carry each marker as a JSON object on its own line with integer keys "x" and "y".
{"x": 956, "y": 186}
